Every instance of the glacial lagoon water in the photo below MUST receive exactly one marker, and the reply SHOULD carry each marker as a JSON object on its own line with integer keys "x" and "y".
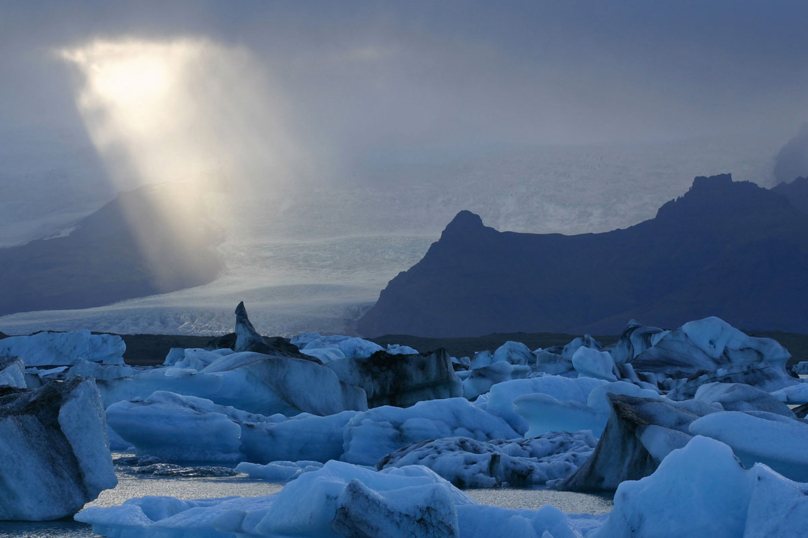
{"x": 197, "y": 488}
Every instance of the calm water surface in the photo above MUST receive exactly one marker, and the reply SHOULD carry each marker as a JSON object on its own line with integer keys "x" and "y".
{"x": 197, "y": 488}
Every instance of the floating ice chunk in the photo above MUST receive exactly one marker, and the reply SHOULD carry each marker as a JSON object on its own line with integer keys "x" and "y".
{"x": 252, "y": 382}
{"x": 184, "y": 428}
{"x": 546, "y": 414}
{"x": 500, "y": 401}
{"x": 708, "y": 344}
{"x": 635, "y": 339}
{"x": 307, "y": 506}
{"x": 198, "y": 359}
{"x": 179, "y": 429}
{"x": 640, "y": 433}
{"x": 12, "y": 372}
{"x": 400, "y": 380}
{"x": 480, "y": 380}
{"x": 397, "y": 349}
{"x": 426, "y": 511}
{"x": 552, "y": 363}
{"x": 325, "y": 354}
{"x": 478, "y": 521}
{"x": 579, "y": 342}
{"x": 467, "y": 463}
{"x": 761, "y": 375}
{"x": 54, "y": 449}
{"x": 514, "y": 353}
{"x": 373, "y": 434}
{"x": 350, "y": 347}
{"x": 52, "y": 349}
{"x": 795, "y": 394}
{"x": 777, "y": 441}
{"x": 279, "y": 471}
{"x": 801, "y": 368}
{"x": 699, "y": 490}
{"x": 740, "y": 397}
{"x": 100, "y": 371}
{"x": 590, "y": 362}
{"x": 481, "y": 359}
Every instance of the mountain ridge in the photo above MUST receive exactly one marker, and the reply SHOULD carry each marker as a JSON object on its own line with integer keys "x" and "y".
{"x": 725, "y": 248}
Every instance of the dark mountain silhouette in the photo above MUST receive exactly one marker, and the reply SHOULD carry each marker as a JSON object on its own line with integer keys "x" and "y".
{"x": 147, "y": 241}
{"x": 792, "y": 160}
{"x": 796, "y": 192}
{"x": 728, "y": 249}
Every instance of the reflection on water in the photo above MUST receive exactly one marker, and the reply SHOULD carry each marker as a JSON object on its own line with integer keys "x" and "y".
{"x": 198, "y": 488}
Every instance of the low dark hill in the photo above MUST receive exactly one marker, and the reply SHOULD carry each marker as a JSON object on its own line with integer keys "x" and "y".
{"x": 134, "y": 246}
{"x": 732, "y": 250}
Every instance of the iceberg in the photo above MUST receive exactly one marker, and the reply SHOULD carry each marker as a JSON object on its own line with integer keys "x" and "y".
{"x": 179, "y": 428}
{"x": 83, "y": 368}
{"x": 500, "y": 400}
{"x": 337, "y": 500}
{"x": 480, "y": 380}
{"x": 639, "y": 434}
{"x": 371, "y": 435}
{"x": 12, "y": 372}
{"x": 708, "y": 344}
{"x": 761, "y": 375}
{"x": 59, "y": 349}
{"x": 795, "y": 394}
{"x": 700, "y": 490}
{"x": 53, "y": 444}
{"x": 740, "y": 397}
{"x": 279, "y": 471}
{"x": 252, "y": 382}
{"x": 762, "y": 437}
{"x": 467, "y": 463}
{"x": 400, "y": 380}
{"x": 590, "y": 362}
{"x": 545, "y": 413}
{"x": 635, "y": 339}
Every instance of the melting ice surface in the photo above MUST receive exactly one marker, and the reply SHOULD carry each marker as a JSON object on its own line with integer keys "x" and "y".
{"x": 199, "y": 488}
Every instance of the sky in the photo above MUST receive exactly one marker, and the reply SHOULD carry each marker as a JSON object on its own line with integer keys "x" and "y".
{"x": 360, "y": 80}
{"x": 347, "y": 134}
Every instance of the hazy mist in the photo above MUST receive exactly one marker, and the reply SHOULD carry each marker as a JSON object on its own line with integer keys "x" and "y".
{"x": 326, "y": 121}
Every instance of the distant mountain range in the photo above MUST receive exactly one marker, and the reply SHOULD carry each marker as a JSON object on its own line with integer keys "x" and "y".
{"x": 729, "y": 249}
{"x": 148, "y": 241}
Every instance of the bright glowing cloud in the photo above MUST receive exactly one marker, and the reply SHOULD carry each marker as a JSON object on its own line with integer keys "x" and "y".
{"x": 187, "y": 112}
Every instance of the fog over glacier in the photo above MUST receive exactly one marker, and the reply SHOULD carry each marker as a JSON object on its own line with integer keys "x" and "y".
{"x": 334, "y": 143}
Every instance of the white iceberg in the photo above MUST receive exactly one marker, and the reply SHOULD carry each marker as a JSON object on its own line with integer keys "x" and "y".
{"x": 701, "y": 490}
{"x": 279, "y": 471}
{"x": 590, "y": 362}
{"x": 12, "y": 372}
{"x": 371, "y": 435}
{"x": 500, "y": 400}
{"x": 545, "y": 413}
{"x": 59, "y": 349}
{"x": 53, "y": 444}
{"x": 252, "y": 382}
{"x": 708, "y": 344}
{"x": 179, "y": 428}
{"x": 339, "y": 499}
{"x": 775, "y": 440}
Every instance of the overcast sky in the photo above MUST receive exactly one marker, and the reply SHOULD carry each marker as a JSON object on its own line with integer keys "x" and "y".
{"x": 358, "y": 77}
